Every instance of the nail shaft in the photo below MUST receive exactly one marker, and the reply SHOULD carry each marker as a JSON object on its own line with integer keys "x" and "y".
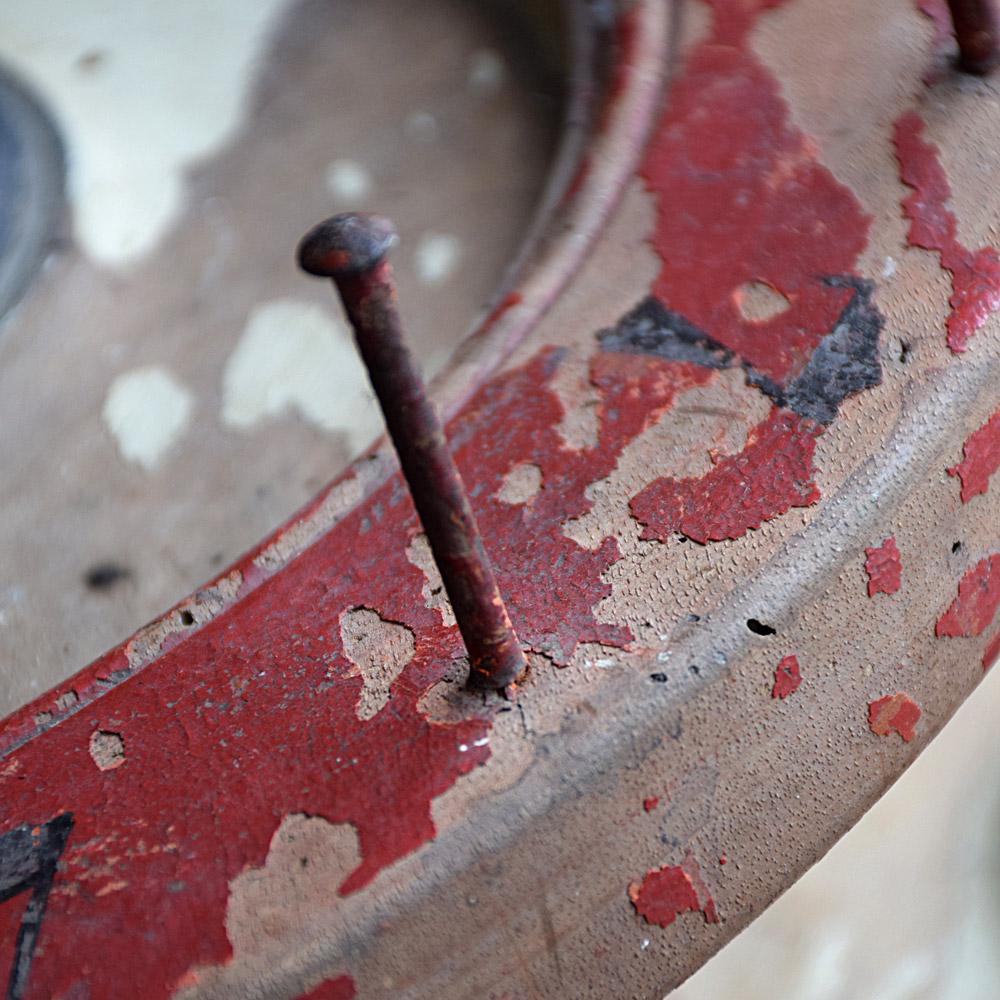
{"x": 351, "y": 250}
{"x": 977, "y": 30}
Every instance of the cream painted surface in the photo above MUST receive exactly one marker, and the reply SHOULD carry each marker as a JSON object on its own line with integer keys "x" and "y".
{"x": 436, "y": 257}
{"x": 140, "y": 91}
{"x": 295, "y": 357}
{"x": 147, "y": 410}
{"x": 349, "y": 182}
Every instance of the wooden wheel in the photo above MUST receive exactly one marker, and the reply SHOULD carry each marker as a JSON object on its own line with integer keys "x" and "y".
{"x": 729, "y": 437}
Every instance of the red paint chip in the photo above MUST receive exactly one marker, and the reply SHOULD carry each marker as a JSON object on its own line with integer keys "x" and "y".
{"x": 981, "y": 453}
{"x": 894, "y": 713}
{"x": 884, "y": 568}
{"x": 991, "y": 652}
{"x": 975, "y": 275}
{"x": 772, "y": 474}
{"x": 976, "y": 604}
{"x": 665, "y": 893}
{"x": 651, "y": 803}
{"x": 787, "y": 677}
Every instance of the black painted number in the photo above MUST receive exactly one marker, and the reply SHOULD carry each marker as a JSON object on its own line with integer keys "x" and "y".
{"x": 28, "y": 858}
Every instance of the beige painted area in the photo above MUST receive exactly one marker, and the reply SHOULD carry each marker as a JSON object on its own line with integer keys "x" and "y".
{"x": 138, "y": 105}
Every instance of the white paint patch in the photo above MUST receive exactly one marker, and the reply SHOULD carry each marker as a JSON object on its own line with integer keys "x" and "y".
{"x": 146, "y": 411}
{"x": 140, "y": 90}
{"x": 295, "y": 357}
{"x": 348, "y": 181}
{"x": 486, "y": 71}
{"x": 421, "y": 126}
{"x": 436, "y": 257}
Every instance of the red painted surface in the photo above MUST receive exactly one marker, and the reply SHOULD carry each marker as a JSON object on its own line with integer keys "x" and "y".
{"x": 976, "y": 604}
{"x": 772, "y": 474}
{"x": 975, "y": 274}
{"x": 981, "y": 459}
{"x": 894, "y": 713}
{"x": 787, "y": 677}
{"x": 991, "y": 652}
{"x": 665, "y": 893}
{"x": 341, "y": 988}
{"x": 884, "y": 568}
{"x": 651, "y": 803}
{"x": 741, "y": 189}
{"x": 252, "y": 716}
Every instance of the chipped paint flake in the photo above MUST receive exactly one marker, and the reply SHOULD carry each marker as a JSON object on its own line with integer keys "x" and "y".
{"x": 772, "y": 474}
{"x": 976, "y": 604}
{"x": 975, "y": 274}
{"x": 666, "y": 893}
{"x": 981, "y": 459}
{"x": 897, "y": 713}
{"x": 147, "y": 411}
{"x": 787, "y": 677}
{"x": 884, "y": 568}
{"x": 991, "y": 652}
{"x": 650, "y": 803}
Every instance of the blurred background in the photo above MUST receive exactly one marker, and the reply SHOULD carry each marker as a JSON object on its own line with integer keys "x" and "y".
{"x": 171, "y": 388}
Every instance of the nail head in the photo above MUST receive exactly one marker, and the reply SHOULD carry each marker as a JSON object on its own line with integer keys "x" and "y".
{"x": 346, "y": 244}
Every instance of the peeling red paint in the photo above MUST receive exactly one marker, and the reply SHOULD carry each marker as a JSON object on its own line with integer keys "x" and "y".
{"x": 884, "y": 568}
{"x": 976, "y": 604}
{"x": 341, "y": 988}
{"x": 772, "y": 474}
{"x": 894, "y": 713}
{"x": 981, "y": 459}
{"x": 252, "y": 716}
{"x": 723, "y": 859}
{"x": 787, "y": 677}
{"x": 741, "y": 189}
{"x": 651, "y": 803}
{"x": 665, "y": 893}
{"x": 991, "y": 652}
{"x": 975, "y": 275}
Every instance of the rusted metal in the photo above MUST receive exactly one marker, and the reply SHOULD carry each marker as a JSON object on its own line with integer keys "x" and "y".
{"x": 351, "y": 250}
{"x": 977, "y": 30}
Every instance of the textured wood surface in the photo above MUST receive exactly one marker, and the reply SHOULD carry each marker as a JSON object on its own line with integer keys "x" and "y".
{"x": 686, "y": 480}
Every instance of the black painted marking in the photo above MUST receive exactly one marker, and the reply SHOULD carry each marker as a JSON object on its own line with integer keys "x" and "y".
{"x": 845, "y": 362}
{"x": 652, "y": 328}
{"x": 29, "y": 856}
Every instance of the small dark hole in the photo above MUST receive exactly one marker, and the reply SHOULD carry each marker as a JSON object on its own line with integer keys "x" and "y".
{"x": 103, "y": 576}
{"x": 693, "y": 618}
{"x": 957, "y": 547}
{"x": 695, "y": 669}
{"x": 904, "y": 352}
{"x": 660, "y": 678}
{"x": 759, "y": 628}
{"x": 303, "y": 862}
{"x": 187, "y": 618}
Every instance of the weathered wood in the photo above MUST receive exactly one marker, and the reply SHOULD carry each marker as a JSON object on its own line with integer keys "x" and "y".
{"x": 714, "y": 473}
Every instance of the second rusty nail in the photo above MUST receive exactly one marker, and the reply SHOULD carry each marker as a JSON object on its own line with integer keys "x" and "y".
{"x": 977, "y": 30}
{"x": 351, "y": 249}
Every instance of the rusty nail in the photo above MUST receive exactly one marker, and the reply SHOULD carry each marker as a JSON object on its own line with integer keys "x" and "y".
{"x": 351, "y": 249}
{"x": 977, "y": 30}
